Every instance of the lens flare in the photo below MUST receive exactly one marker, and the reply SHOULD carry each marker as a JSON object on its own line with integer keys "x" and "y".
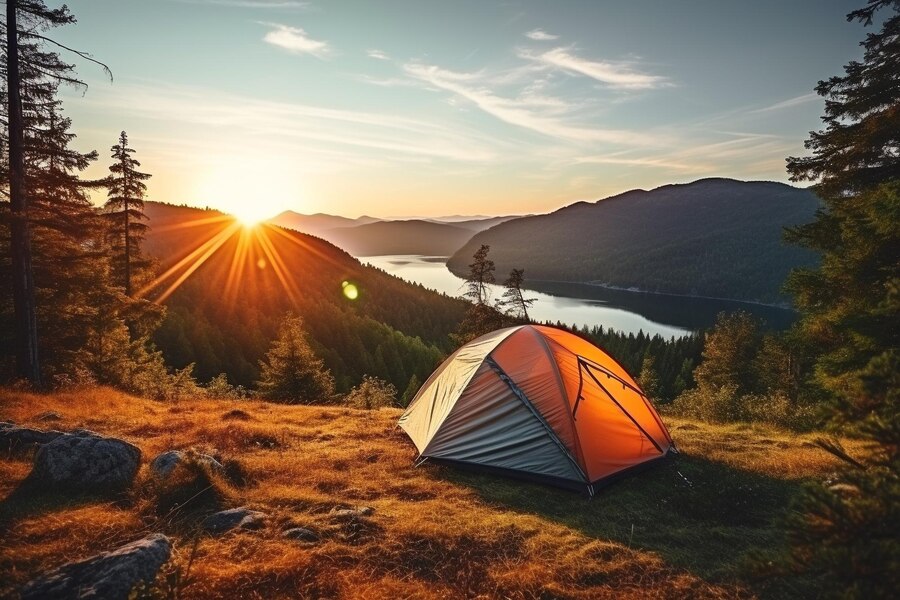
{"x": 350, "y": 290}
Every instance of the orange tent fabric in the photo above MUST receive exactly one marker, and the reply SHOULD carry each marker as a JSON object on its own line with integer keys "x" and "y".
{"x": 538, "y": 402}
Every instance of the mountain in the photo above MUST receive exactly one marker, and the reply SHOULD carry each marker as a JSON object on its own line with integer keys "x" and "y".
{"x": 226, "y": 312}
{"x": 712, "y": 237}
{"x": 400, "y": 237}
{"x": 475, "y": 223}
{"x": 368, "y": 236}
{"x": 316, "y": 223}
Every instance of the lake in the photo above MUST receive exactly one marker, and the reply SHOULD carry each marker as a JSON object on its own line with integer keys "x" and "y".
{"x": 585, "y": 304}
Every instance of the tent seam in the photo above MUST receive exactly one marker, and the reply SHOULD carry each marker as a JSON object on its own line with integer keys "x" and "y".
{"x": 524, "y": 399}
{"x": 565, "y": 394}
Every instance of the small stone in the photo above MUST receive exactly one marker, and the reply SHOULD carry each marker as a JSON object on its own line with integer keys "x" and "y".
{"x": 49, "y": 415}
{"x": 359, "y": 511}
{"x": 164, "y": 465}
{"x": 234, "y": 518}
{"x": 301, "y": 534}
{"x": 109, "y": 575}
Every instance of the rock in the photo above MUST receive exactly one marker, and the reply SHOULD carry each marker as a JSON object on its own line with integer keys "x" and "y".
{"x": 18, "y": 440}
{"x": 359, "y": 511}
{"x": 164, "y": 465}
{"x": 301, "y": 534}
{"x": 85, "y": 462}
{"x": 49, "y": 415}
{"x": 107, "y": 576}
{"x": 234, "y": 518}
{"x": 81, "y": 432}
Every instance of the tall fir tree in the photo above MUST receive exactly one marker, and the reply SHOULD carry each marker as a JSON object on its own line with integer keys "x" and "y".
{"x": 125, "y": 208}
{"x": 64, "y": 254}
{"x": 847, "y": 532}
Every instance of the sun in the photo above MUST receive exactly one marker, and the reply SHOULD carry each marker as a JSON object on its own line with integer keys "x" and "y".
{"x": 250, "y": 216}
{"x": 252, "y": 190}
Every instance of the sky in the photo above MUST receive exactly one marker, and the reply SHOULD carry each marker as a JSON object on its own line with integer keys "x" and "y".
{"x": 416, "y": 108}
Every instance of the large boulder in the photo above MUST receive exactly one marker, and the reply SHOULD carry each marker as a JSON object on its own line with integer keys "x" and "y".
{"x": 19, "y": 440}
{"x": 107, "y": 576}
{"x": 85, "y": 462}
{"x": 235, "y": 518}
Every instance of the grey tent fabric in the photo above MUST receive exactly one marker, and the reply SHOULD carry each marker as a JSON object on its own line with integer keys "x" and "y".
{"x": 490, "y": 425}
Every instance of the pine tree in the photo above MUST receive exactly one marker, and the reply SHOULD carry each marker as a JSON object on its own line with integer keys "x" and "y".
{"x": 481, "y": 275}
{"x": 412, "y": 388}
{"x": 291, "y": 372}
{"x": 125, "y": 207}
{"x": 850, "y": 314}
{"x": 648, "y": 378}
{"x": 514, "y": 302}
{"x": 480, "y": 317}
{"x": 52, "y": 223}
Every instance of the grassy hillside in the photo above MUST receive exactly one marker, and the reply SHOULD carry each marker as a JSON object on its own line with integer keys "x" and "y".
{"x": 226, "y": 311}
{"x": 714, "y": 237}
{"x": 684, "y": 529}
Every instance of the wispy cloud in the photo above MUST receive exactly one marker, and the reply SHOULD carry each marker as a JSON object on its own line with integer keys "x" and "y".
{"x": 304, "y": 128}
{"x": 613, "y": 74}
{"x": 377, "y": 54}
{"x": 540, "y": 35}
{"x": 294, "y": 39}
{"x": 273, "y": 4}
{"x": 515, "y": 111}
{"x": 789, "y": 103}
{"x": 659, "y": 163}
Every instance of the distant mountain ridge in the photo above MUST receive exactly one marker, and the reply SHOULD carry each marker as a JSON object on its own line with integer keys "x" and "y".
{"x": 714, "y": 237}
{"x": 370, "y": 236}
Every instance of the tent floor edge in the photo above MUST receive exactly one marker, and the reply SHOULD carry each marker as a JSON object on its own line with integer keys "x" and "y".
{"x": 606, "y": 480}
{"x": 557, "y": 482}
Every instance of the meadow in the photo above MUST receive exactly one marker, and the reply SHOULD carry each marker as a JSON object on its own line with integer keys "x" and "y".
{"x": 703, "y": 524}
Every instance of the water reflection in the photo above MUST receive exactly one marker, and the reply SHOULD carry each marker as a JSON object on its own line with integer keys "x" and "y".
{"x": 584, "y": 304}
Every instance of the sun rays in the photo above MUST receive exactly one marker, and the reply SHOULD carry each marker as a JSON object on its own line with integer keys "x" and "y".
{"x": 253, "y": 248}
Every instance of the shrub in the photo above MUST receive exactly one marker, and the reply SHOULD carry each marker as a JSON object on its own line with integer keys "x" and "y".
{"x": 372, "y": 393}
{"x": 218, "y": 387}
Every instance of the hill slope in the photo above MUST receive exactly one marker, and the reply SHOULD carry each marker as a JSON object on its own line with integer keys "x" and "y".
{"x": 714, "y": 237}
{"x": 683, "y": 529}
{"x": 226, "y": 312}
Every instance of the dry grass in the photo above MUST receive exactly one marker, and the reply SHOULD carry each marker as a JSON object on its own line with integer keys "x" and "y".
{"x": 683, "y": 529}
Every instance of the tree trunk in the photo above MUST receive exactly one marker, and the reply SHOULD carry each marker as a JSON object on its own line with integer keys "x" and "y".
{"x": 127, "y": 252}
{"x": 27, "y": 365}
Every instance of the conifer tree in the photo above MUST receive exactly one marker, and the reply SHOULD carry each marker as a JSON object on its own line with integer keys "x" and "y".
{"x": 291, "y": 372}
{"x": 51, "y": 222}
{"x": 481, "y": 275}
{"x": 648, "y": 378}
{"x": 850, "y": 314}
{"x": 125, "y": 207}
{"x": 514, "y": 301}
{"x": 412, "y": 388}
{"x": 480, "y": 317}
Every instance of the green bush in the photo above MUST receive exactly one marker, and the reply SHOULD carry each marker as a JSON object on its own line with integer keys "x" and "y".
{"x": 372, "y": 393}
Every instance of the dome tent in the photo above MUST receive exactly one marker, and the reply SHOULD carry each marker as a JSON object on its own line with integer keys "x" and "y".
{"x": 536, "y": 402}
